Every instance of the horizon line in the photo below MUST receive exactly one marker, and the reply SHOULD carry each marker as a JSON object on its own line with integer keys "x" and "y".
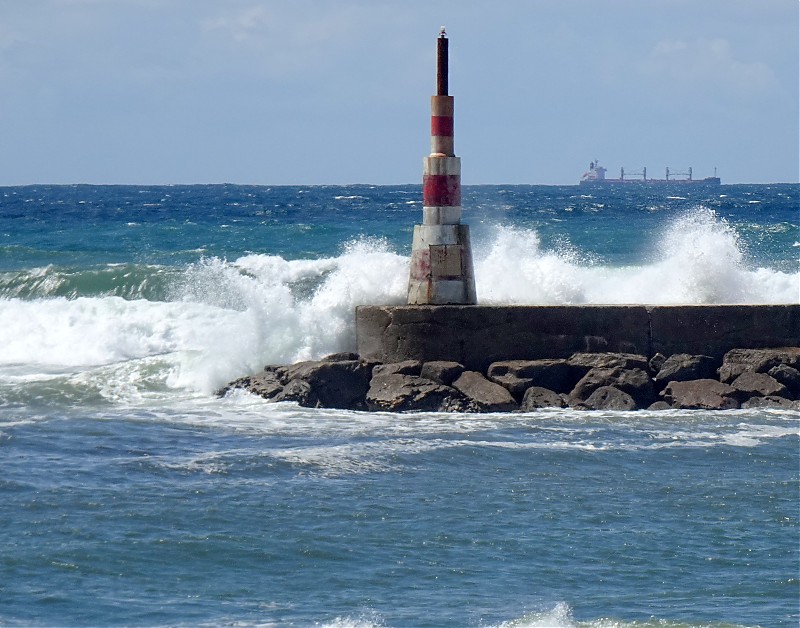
{"x": 177, "y": 184}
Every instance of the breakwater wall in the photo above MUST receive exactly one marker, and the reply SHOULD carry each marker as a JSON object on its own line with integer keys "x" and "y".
{"x": 475, "y": 336}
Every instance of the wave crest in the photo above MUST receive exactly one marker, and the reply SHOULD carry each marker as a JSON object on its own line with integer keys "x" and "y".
{"x": 696, "y": 259}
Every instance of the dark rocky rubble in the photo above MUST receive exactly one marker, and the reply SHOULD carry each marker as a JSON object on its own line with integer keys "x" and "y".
{"x": 748, "y": 378}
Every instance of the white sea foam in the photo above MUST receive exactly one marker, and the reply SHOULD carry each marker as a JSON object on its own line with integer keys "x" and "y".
{"x": 560, "y": 616}
{"x": 365, "y": 620}
{"x": 225, "y": 319}
{"x": 337, "y": 443}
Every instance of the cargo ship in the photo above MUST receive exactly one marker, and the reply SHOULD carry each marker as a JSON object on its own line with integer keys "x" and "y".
{"x": 596, "y": 175}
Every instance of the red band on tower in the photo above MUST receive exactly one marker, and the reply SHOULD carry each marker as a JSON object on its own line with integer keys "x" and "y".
{"x": 441, "y": 190}
{"x": 442, "y": 125}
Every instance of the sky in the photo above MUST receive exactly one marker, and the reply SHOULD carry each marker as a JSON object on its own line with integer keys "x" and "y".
{"x": 338, "y": 91}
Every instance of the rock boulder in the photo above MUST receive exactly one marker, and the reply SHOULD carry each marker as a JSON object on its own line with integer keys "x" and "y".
{"x": 299, "y": 391}
{"x": 682, "y": 367}
{"x": 266, "y": 384}
{"x": 771, "y": 402}
{"x": 789, "y": 377}
{"x": 705, "y": 394}
{"x": 408, "y": 393}
{"x": 407, "y": 367}
{"x": 483, "y": 395}
{"x": 441, "y": 371}
{"x": 635, "y": 382}
{"x": 537, "y": 397}
{"x": 759, "y": 384}
{"x": 737, "y": 361}
{"x": 340, "y": 384}
{"x": 518, "y": 375}
{"x": 656, "y": 362}
{"x": 608, "y": 398}
{"x": 582, "y": 363}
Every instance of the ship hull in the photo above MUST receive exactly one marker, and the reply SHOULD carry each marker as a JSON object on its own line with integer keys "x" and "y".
{"x": 643, "y": 182}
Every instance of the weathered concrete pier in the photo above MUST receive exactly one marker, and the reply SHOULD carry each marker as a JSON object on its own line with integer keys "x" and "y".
{"x": 476, "y": 336}
{"x": 445, "y": 358}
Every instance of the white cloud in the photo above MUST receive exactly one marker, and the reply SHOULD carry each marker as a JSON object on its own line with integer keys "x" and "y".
{"x": 286, "y": 37}
{"x": 710, "y": 62}
{"x": 245, "y": 25}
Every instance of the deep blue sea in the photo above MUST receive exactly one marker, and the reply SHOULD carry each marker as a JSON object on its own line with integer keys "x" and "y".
{"x": 130, "y": 495}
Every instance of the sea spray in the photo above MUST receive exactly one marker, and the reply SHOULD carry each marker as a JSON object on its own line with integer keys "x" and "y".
{"x": 703, "y": 259}
{"x": 515, "y": 270}
{"x": 288, "y": 310}
{"x": 697, "y": 258}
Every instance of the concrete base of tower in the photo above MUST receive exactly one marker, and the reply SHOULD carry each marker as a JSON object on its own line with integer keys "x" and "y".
{"x": 441, "y": 266}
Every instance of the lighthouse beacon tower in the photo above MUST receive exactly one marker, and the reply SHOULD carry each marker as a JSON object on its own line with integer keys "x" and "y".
{"x": 441, "y": 255}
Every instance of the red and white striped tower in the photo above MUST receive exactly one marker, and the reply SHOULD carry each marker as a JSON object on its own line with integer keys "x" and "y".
{"x": 441, "y": 255}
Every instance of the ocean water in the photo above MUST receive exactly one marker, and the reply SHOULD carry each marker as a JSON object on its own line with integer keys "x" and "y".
{"x": 131, "y": 495}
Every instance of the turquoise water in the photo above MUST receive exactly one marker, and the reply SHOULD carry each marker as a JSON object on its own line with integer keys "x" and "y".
{"x": 131, "y": 495}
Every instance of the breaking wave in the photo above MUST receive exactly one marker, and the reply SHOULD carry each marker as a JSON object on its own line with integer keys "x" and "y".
{"x": 196, "y": 328}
